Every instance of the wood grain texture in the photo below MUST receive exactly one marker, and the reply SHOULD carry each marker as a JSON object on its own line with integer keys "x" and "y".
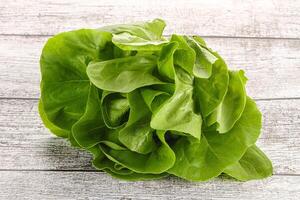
{"x": 272, "y": 66}
{"x": 95, "y": 185}
{"x": 261, "y": 37}
{"x": 269, "y": 18}
{"x": 26, "y": 145}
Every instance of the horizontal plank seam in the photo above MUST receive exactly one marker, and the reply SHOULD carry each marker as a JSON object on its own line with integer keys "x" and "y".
{"x": 204, "y": 36}
{"x": 91, "y": 171}
{"x": 277, "y": 99}
{"x": 248, "y": 37}
{"x": 52, "y": 170}
{"x": 256, "y": 99}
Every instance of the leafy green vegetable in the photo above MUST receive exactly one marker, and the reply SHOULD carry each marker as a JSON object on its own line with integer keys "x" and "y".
{"x": 114, "y": 108}
{"x": 119, "y": 75}
{"x": 204, "y": 59}
{"x": 253, "y": 165}
{"x": 233, "y": 104}
{"x": 210, "y": 92}
{"x": 177, "y": 112}
{"x": 208, "y": 158}
{"x": 137, "y": 135}
{"x": 147, "y": 107}
{"x": 146, "y": 36}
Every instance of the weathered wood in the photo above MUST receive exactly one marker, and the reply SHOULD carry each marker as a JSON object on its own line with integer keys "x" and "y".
{"x": 26, "y": 144}
{"x": 37, "y": 165}
{"x": 93, "y": 185}
{"x": 231, "y": 18}
{"x": 272, "y": 66}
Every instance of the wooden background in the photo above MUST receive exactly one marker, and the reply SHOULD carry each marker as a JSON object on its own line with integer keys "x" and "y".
{"x": 262, "y": 37}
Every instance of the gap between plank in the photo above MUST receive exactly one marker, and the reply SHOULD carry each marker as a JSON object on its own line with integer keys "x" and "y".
{"x": 204, "y": 36}
{"x": 90, "y": 171}
{"x": 255, "y": 99}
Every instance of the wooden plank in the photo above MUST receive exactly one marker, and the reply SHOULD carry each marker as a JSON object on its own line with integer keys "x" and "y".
{"x": 93, "y": 185}
{"x": 272, "y": 66}
{"x": 270, "y": 18}
{"x": 26, "y": 144}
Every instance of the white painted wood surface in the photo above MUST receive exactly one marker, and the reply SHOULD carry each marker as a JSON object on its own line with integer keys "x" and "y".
{"x": 95, "y": 185}
{"x": 262, "y": 37}
{"x": 272, "y": 65}
{"x": 27, "y": 145}
{"x": 242, "y": 18}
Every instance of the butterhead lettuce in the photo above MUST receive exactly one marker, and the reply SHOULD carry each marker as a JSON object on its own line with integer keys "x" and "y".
{"x": 147, "y": 106}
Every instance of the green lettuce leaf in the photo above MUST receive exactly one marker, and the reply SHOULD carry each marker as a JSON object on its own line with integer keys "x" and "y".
{"x": 114, "y": 108}
{"x": 204, "y": 59}
{"x": 205, "y": 159}
{"x": 210, "y": 92}
{"x": 144, "y": 36}
{"x": 155, "y": 162}
{"x": 146, "y": 106}
{"x": 119, "y": 75}
{"x": 233, "y": 104}
{"x": 137, "y": 135}
{"x": 253, "y": 165}
{"x": 87, "y": 130}
{"x": 177, "y": 113}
